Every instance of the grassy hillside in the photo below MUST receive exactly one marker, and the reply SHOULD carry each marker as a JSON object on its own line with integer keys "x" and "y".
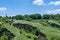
{"x": 51, "y": 33}
{"x": 31, "y": 30}
{"x": 15, "y": 31}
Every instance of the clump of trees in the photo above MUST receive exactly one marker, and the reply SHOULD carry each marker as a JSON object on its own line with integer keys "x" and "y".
{"x": 32, "y": 17}
{"x": 36, "y": 17}
{"x": 51, "y": 16}
{"x": 26, "y": 17}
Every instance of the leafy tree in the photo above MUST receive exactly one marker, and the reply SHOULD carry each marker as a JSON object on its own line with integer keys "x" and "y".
{"x": 57, "y": 16}
{"x": 35, "y": 16}
{"x": 46, "y": 16}
{"x": 13, "y": 17}
{"x": 18, "y": 17}
{"x": 26, "y": 17}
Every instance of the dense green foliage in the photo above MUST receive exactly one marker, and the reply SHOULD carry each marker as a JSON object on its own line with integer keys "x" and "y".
{"x": 30, "y": 27}
{"x": 35, "y": 17}
{"x": 50, "y": 32}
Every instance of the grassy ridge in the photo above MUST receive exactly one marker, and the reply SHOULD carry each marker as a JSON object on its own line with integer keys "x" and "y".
{"x": 51, "y": 33}
{"x": 53, "y": 21}
{"x": 15, "y": 31}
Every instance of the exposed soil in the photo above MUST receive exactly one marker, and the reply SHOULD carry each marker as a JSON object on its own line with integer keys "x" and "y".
{"x": 24, "y": 26}
{"x": 54, "y": 25}
{"x": 30, "y": 28}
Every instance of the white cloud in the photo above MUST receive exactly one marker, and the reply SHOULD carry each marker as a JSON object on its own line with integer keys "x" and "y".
{"x": 3, "y": 9}
{"x": 55, "y": 3}
{"x": 53, "y": 11}
{"x": 38, "y": 2}
{"x": 41, "y": 2}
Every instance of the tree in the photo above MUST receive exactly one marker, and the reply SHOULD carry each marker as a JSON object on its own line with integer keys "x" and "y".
{"x": 13, "y": 17}
{"x": 35, "y": 16}
{"x": 18, "y": 17}
{"x": 57, "y": 17}
{"x": 10, "y": 17}
{"x": 46, "y": 16}
{"x": 26, "y": 17}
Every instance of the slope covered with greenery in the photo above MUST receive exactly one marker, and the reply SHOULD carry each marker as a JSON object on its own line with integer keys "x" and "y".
{"x": 48, "y": 31}
{"x": 30, "y": 27}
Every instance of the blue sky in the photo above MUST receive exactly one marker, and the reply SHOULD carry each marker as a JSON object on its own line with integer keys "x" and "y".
{"x": 15, "y": 7}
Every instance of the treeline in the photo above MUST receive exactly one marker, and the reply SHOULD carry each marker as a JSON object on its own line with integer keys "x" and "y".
{"x": 34, "y": 17}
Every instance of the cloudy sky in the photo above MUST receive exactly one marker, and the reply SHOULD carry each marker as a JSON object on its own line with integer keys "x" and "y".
{"x": 15, "y": 7}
